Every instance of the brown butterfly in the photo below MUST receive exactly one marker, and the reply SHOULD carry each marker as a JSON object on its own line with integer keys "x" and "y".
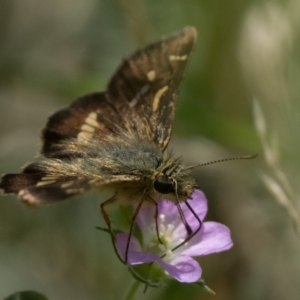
{"x": 117, "y": 139}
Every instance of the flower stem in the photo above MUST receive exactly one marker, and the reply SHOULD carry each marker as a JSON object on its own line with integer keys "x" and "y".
{"x": 132, "y": 290}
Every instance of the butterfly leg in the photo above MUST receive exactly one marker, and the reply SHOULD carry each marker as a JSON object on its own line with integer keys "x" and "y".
{"x": 190, "y": 232}
{"x": 156, "y": 218}
{"x": 131, "y": 227}
{"x": 108, "y": 223}
{"x": 104, "y": 212}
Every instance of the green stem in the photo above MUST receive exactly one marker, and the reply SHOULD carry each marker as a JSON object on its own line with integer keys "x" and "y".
{"x": 132, "y": 291}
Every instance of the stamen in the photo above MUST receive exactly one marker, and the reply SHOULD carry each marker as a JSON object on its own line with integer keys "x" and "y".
{"x": 169, "y": 253}
{"x": 167, "y": 235}
{"x": 161, "y": 247}
{"x": 162, "y": 229}
{"x": 162, "y": 217}
{"x": 169, "y": 230}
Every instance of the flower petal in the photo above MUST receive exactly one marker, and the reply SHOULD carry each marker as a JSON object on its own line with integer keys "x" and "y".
{"x": 198, "y": 204}
{"x": 171, "y": 215}
{"x": 145, "y": 217}
{"x": 135, "y": 254}
{"x": 213, "y": 237}
{"x": 184, "y": 269}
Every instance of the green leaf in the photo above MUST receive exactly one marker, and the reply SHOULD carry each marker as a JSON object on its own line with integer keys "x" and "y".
{"x": 26, "y": 295}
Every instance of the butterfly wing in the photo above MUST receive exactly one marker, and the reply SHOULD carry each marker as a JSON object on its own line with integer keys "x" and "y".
{"x": 37, "y": 187}
{"x": 91, "y": 116}
{"x": 147, "y": 83}
{"x": 140, "y": 98}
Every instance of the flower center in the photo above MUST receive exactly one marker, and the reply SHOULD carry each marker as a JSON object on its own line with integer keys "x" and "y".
{"x": 168, "y": 236}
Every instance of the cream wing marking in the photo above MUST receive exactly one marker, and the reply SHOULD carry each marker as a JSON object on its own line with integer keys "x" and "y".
{"x": 176, "y": 57}
{"x": 47, "y": 180}
{"x": 88, "y": 128}
{"x": 157, "y": 97}
{"x": 151, "y": 75}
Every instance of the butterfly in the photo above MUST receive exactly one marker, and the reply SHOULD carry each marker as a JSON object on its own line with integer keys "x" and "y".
{"x": 117, "y": 139}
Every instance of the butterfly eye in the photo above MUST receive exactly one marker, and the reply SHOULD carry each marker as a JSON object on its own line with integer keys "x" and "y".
{"x": 164, "y": 185}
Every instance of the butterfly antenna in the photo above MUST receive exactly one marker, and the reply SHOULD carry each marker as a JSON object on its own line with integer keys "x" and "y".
{"x": 222, "y": 160}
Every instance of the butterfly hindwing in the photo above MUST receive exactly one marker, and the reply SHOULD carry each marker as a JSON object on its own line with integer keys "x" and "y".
{"x": 36, "y": 187}
{"x": 64, "y": 189}
{"x": 53, "y": 192}
{"x": 148, "y": 82}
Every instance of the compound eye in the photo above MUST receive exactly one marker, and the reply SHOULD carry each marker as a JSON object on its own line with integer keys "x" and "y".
{"x": 164, "y": 185}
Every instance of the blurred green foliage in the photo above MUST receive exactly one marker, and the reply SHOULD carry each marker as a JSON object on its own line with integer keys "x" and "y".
{"x": 52, "y": 52}
{"x": 26, "y": 295}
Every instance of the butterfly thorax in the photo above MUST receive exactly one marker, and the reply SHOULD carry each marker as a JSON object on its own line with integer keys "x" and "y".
{"x": 157, "y": 177}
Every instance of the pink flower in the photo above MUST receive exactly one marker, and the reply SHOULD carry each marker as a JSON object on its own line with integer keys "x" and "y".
{"x": 213, "y": 237}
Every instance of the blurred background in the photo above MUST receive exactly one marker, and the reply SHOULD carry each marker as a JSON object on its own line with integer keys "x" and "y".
{"x": 240, "y": 96}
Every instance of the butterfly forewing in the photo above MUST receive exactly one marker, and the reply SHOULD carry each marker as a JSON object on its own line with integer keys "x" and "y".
{"x": 89, "y": 117}
{"x": 147, "y": 83}
{"x": 140, "y": 98}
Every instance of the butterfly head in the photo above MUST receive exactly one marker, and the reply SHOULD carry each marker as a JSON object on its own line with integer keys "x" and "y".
{"x": 172, "y": 181}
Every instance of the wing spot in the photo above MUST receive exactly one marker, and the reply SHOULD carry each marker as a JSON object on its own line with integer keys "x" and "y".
{"x": 92, "y": 115}
{"x": 74, "y": 191}
{"x": 45, "y": 182}
{"x": 66, "y": 185}
{"x": 83, "y": 136}
{"x": 92, "y": 120}
{"x": 28, "y": 198}
{"x": 157, "y": 97}
{"x": 49, "y": 177}
{"x": 177, "y": 57}
{"x": 151, "y": 75}
{"x": 22, "y": 193}
{"x": 87, "y": 128}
